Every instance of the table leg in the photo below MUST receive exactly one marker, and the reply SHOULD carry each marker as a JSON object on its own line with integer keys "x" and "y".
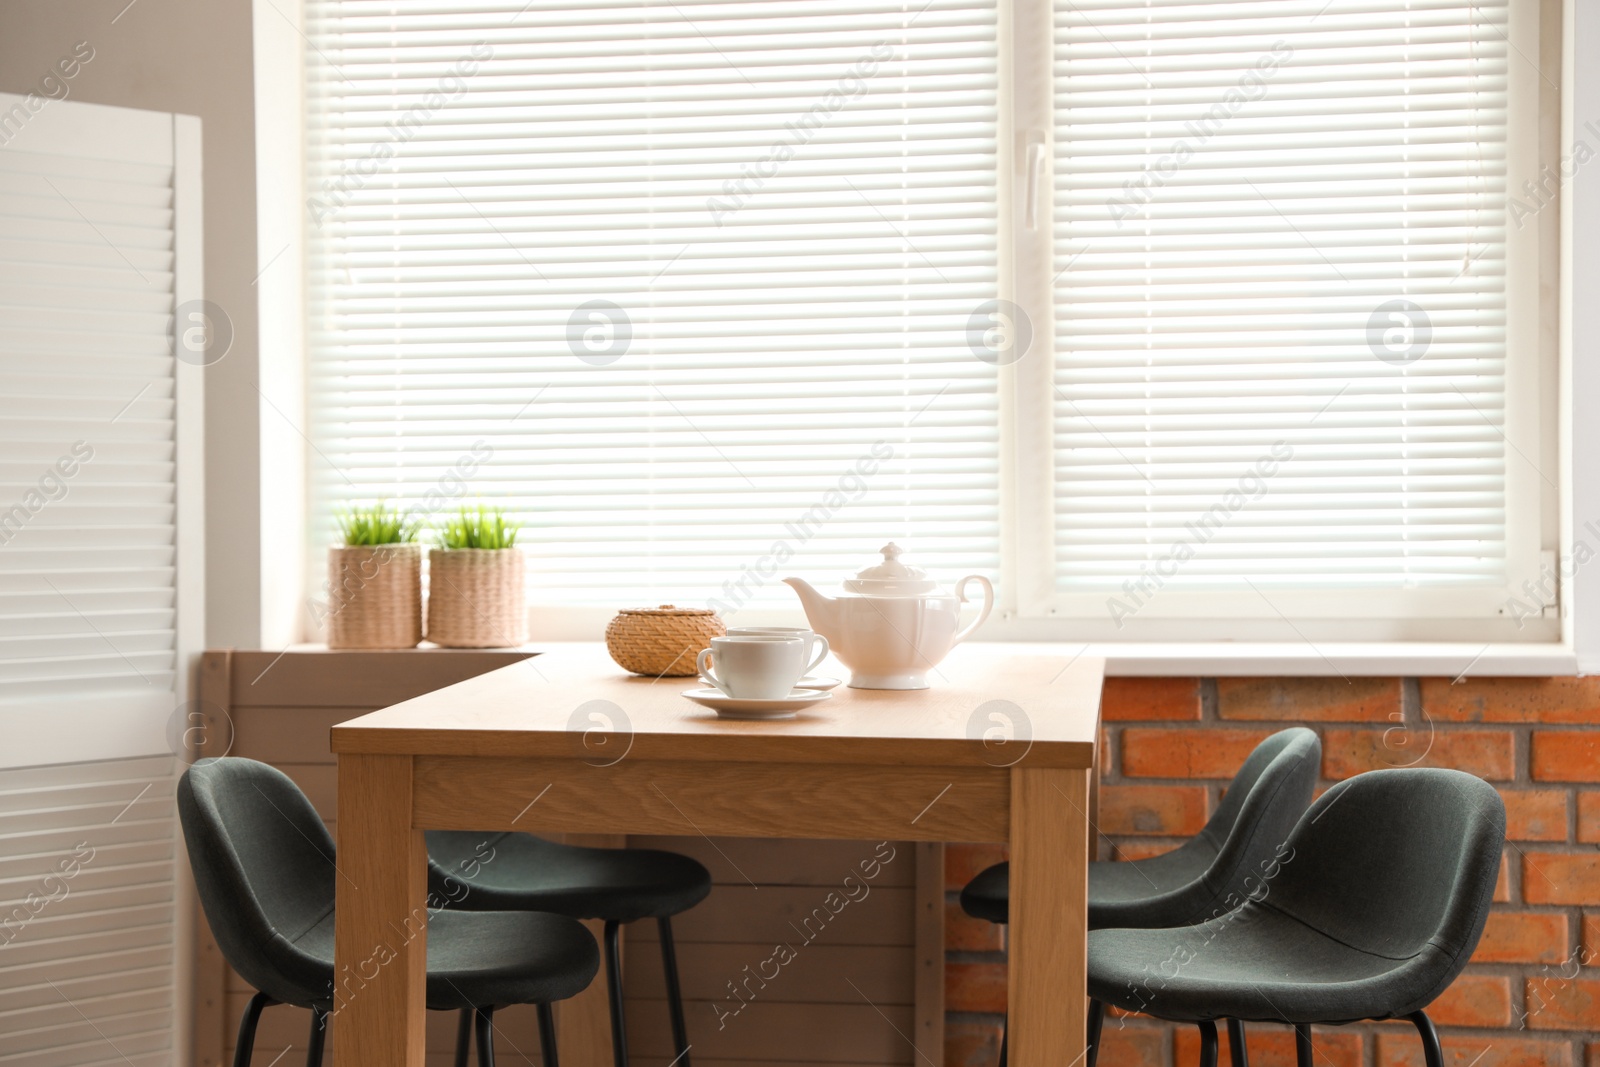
{"x": 381, "y": 918}
{"x": 1049, "y": 917}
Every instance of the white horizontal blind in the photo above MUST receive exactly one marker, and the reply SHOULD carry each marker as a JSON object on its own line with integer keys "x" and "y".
{"x": 1281, "y": 315}
{"x": 87, "y": 430}
{"x": 87, "y": 914}
{"x": 695, "y": 282}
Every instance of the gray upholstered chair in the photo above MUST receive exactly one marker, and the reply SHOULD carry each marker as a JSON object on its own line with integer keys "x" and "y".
{"x": 265, "y": 870}
{"x": 1371, "y": 913}
{"x": 1210, "y": 874}
{"x": 520, "y": 872}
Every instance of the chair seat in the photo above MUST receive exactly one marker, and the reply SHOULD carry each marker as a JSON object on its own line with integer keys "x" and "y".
{"x": 1255, "y": 965}
{"x": 482, "y": 959}
{"x": 520, "y": 872}
{"x": 1120, "y": 894}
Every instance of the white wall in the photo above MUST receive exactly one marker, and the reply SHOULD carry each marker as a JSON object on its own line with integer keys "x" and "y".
{"x": 1583, "y": 253}
{"x": 193, "y": 57}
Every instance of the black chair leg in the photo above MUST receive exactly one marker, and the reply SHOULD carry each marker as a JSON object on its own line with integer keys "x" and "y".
{"x": 669, "y": 963}
{"x": 464, "y": 1037}
{"x": 1097, "y": 1020}
{"x": 547, "y": 1036}
{"x": 245, "y": 1047}
{"x": 619, "y": 1029}
{"x": 1236, "y": 1049}
{"x": 1302, "y": 1045}
{"x": 319, "y": 1034}
{"x": 1208, "y": 1043}
{"x": 1430, "y": 1039}
{"x": 485, "y": 1020}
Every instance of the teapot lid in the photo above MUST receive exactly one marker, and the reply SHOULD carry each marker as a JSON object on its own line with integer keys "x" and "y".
{"x": 891, "y": 577}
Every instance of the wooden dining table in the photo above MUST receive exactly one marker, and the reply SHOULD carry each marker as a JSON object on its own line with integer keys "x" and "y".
{"x": 1000, "y": 748}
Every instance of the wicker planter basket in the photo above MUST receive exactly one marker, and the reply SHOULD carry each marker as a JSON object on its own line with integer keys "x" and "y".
{"x": 476, "y": 598}
{"x": 374, "y": 596}
{"x": 661, "y": 642}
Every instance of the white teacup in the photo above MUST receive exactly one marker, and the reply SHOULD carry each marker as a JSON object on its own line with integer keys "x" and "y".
{"x": 817, "y": 647}
{"x": 754, "y": 666}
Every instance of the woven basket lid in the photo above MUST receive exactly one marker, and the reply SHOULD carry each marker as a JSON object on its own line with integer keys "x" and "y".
{"x": 666, "y": 609}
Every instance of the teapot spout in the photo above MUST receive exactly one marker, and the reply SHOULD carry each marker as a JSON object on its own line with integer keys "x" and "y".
{"x": 822, "y": 612}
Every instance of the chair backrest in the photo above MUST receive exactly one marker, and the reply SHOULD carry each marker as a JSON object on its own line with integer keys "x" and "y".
{"x": 1219, "y": 866}
{"x": 1290, "y": 758}
{"x": 1392, "y": 862}
{"x": 264, "y": 869}
{"x": 1261, "y": 807}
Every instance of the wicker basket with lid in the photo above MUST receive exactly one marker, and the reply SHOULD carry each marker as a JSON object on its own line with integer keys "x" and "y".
{"x": 662, "y": 641}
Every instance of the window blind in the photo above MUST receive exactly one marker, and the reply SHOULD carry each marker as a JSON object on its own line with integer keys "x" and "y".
{"x": 87, "y": 476}
{"x": 689, "y": 287}
{"x": 1281, "y": 310}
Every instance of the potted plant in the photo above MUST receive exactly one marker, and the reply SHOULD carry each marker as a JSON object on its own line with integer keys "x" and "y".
{"x": 375, "y": 581}
{"x": 476, "y": 597}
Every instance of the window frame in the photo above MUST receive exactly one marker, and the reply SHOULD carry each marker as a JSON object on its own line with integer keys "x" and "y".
{"x": 1177, "y": 615}
{"x": 1188, "y": 639}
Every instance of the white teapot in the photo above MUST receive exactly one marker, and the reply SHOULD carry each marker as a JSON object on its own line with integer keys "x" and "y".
{"x": 894, "y": 624}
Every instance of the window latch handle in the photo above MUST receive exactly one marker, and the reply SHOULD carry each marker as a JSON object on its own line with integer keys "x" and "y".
{"x": 1035, "y": 168}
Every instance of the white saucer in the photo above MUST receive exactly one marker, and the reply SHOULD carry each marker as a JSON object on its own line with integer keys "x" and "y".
{"x": 817, "y": 683}
{"x": 752, "y": 708}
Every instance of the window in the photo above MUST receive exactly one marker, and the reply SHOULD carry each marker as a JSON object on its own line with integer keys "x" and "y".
{"x": 1183, "y": 320}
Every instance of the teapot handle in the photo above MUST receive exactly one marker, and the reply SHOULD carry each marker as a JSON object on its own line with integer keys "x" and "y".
{"x": 988, "y": 605}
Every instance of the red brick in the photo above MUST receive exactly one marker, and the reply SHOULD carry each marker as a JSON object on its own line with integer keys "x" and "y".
{"x": 1309, "y": 699}
{"x": 963, "y": 933}
{"x": 1487, "y": 753}
{"x": 1272, "y": 1046}
{"x": 1588, "y": 816}
{"x": 971, "y": 1044}
{"x": 1561, "y": 878}
{"x": 1560, "y": 700}
{"x": 1150, "y": 699}
{"x": 1502, "y": 882}
{"x": 1398, "y": 1048}
{"x": 975, "y": 987}
{"x": 1566, "y": 756}
{"x": 1556, "y": 1002}
{"x": 1130, "y": 1045}
{"x": 1106, "y": 763}
{"x": 963, "y": 862}
{"x": 1153, "y": 752}
{"x": 1592, "y": 1054}
{"x": 1535, "y": 814}
{"x": 1155, "y": 810}
{"x": 1474, "y": 1000}
{"x": 1591, "y": 936}
{"x": 1523, "y": 937}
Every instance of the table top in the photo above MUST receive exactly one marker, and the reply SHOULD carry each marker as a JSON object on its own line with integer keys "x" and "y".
{"x": 998, "y": 704}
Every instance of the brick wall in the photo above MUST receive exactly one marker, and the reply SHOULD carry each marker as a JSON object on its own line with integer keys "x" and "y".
{"x": 1170, "y": 745}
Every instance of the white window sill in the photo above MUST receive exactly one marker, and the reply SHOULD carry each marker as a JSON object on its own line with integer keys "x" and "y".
{"x": 1215, "y": 659}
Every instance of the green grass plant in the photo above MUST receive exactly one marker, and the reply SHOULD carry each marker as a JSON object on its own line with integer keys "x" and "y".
{"x": 375, "y": 524}
{"x": 480, "y": 526}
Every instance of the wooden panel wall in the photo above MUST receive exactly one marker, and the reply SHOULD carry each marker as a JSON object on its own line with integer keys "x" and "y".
{"x": 853, "y": 973}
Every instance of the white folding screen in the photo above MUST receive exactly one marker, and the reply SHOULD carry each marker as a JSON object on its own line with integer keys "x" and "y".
{"x": 90, "y": 932}
{"x": 691, "y": 286}
{"x": 103, "y": 339}
{"x": 99, "y": 244}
